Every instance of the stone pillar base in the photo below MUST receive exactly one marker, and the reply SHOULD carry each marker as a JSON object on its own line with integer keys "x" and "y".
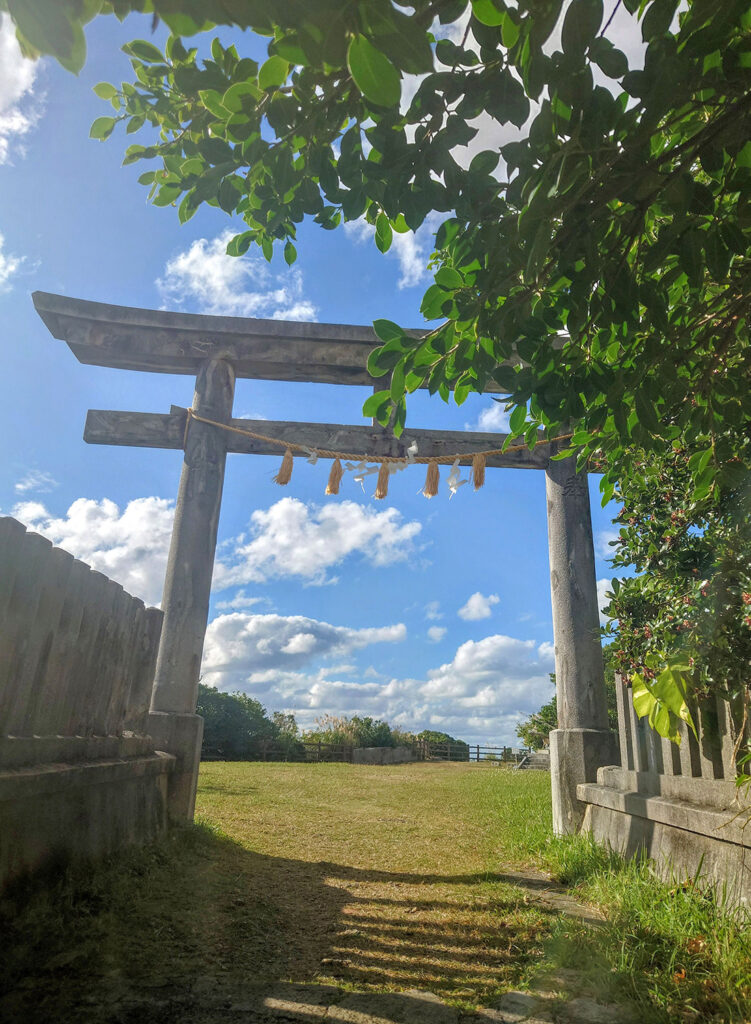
{"x": 181, "y": 735}
{"x": 575, "y": 756}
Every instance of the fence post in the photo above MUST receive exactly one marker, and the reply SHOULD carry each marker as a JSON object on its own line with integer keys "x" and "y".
{"x": 319, "y": 751}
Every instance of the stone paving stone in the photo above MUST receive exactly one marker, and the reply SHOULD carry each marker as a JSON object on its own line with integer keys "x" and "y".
{"x": 586, "y": 1011}
{"x": 411, "y": 1007}
{"x": 522, "y": 1008}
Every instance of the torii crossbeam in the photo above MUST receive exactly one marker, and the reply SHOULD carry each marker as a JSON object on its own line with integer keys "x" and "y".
{"x": 217, "y": 350}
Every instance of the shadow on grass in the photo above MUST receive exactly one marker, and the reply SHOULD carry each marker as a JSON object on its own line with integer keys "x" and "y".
{"x": 200, "y": 929}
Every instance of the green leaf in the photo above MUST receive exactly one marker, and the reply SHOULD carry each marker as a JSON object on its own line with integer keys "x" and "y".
{"x": 239, "y": 94}
{"x": 610, "y": 61}
{"x": 583, "y": 19}
{"x": 273, "y": 73}
{"x": 105, "y": 91}
{"x": 290, "y": 254}
{"x": 373, "y": 73}
{"x": 449, "y": 279}
{"x": 102, "y": 128}
{"x": 143, "y": 50}
{"x": 487, "y": 13}
{"x": 376, "y": 403}
{"x": 383, "y": 233}
{"x": 517, "y": 419}
{"x": 387, "y": 330}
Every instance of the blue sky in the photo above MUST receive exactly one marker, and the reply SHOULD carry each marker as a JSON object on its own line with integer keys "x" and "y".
{"x": 433, "y": 614}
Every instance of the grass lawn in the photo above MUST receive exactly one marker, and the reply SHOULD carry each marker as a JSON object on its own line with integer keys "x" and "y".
{"x": 368, "y": 878}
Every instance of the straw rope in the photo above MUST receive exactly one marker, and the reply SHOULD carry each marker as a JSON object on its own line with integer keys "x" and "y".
{"x": 327, "y": 453}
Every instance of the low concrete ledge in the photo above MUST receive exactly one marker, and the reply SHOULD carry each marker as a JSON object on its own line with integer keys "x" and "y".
{"x": 52, "y": 813}
{"x": 725, "y": 825}
{"x": 16, "y": 751}
{"x": 383, "y": 755}
{"x": 694, "y": 826}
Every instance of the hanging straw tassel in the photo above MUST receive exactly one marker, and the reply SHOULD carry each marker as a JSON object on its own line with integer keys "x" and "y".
{"x": 431, "y": 480}
{"x": 382, "y": 484}
{"x": 478, "y": 471}
{"x": 335, "y": 477}
{"x": 285, "y": 470}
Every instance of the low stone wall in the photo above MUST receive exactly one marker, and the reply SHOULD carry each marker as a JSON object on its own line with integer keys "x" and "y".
{"x": 80, "y": 776}
{"x": 383, "y": 755}
{"x": 686, "y": 825}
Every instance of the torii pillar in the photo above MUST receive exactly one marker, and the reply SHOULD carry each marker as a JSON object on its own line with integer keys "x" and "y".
{"x": 583, "y": 742}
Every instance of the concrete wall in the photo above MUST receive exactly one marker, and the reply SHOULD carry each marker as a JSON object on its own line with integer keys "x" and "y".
{"x": 383, "y": 755}
{"x": 678, "y": 805}
{"x": 79, "y": 775}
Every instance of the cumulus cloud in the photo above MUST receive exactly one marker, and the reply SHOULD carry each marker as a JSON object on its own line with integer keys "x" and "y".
{"x": 35, "y": 480}
{"x": 493, "y": 418}
{"x": 412, "y": 249}
{"x": 604, "y": 540}
{"x": 603, "y": 586}
{"x": 238, "y": 602}
{"x": 207, "y": 279}
{"x": 433, "y": 610}
{"x": 129, "y": 545}
{"x": 480, "y": 695}
{"x": 478, "y": 607}
{"x": 295, "y": 539}
{"x": 10, "y": 265}
{"x": 17, "y": 74}
{"x": 244, "y": 649}
{"x": 436, "y": 634}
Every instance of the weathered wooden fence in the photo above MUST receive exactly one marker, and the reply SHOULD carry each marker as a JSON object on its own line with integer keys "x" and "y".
{"x": 475, "y": 752}
{"x": 78, "y": 771}
{"x": 679, "y": 804}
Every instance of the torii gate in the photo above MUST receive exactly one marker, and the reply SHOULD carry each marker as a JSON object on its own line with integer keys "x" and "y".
{"x": 218, "y": 349}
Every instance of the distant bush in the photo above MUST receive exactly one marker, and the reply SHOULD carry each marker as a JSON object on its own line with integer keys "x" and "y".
{"x": 237, "y": 728}
{"x": 358, "y": 732}
{"x": 459, "y": 749}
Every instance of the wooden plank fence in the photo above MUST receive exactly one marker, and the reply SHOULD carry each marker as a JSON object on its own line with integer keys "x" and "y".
{"x": 312, "y": 752}
{"x": 710, "y": 755}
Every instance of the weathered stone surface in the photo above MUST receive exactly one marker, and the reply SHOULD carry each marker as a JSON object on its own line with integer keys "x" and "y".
{"x": 383, "y": 755}
{"x": 586, "y": 1011}
{"x": 520, "y": 1008}
{"x": 411, "y": 1007}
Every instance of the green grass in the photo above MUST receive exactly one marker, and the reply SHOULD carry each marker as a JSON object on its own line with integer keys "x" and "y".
{"x": 672, "y": 947}
{"x": 368, "y": 878}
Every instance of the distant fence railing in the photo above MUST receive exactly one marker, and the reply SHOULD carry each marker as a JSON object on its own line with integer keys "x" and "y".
{"x": 475, "y": 752}
{"x": 311, "y": 751}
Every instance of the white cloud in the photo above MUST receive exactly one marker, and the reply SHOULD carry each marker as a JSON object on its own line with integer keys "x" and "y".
{"x": 243, "y": 650}
{"x": 9, "y": 264}
{"x": 480, "y": 695}
{"x": 436, "y": 633}
{"x": 603, "y": 542}
{"x": 478, "y": 607}
{"x": 35, "y": 480}
{"x": 432, "y": 611}
{"x": 492, "y": 418}
{"x": 205, "y": 277}
{"x": 603, "y": 586}
{"x": 292, "y": 538}
{"x": 17, "y": 74}
{"x": 412, "y": 249}
{"x": 129, "y": 545}
{"x": 239, "y": 601}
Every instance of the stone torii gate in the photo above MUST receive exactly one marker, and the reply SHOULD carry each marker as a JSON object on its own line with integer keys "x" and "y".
{"x": 218, "y": 349}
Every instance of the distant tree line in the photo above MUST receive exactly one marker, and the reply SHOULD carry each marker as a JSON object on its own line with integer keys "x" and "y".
{"x": 238, "y": 728}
